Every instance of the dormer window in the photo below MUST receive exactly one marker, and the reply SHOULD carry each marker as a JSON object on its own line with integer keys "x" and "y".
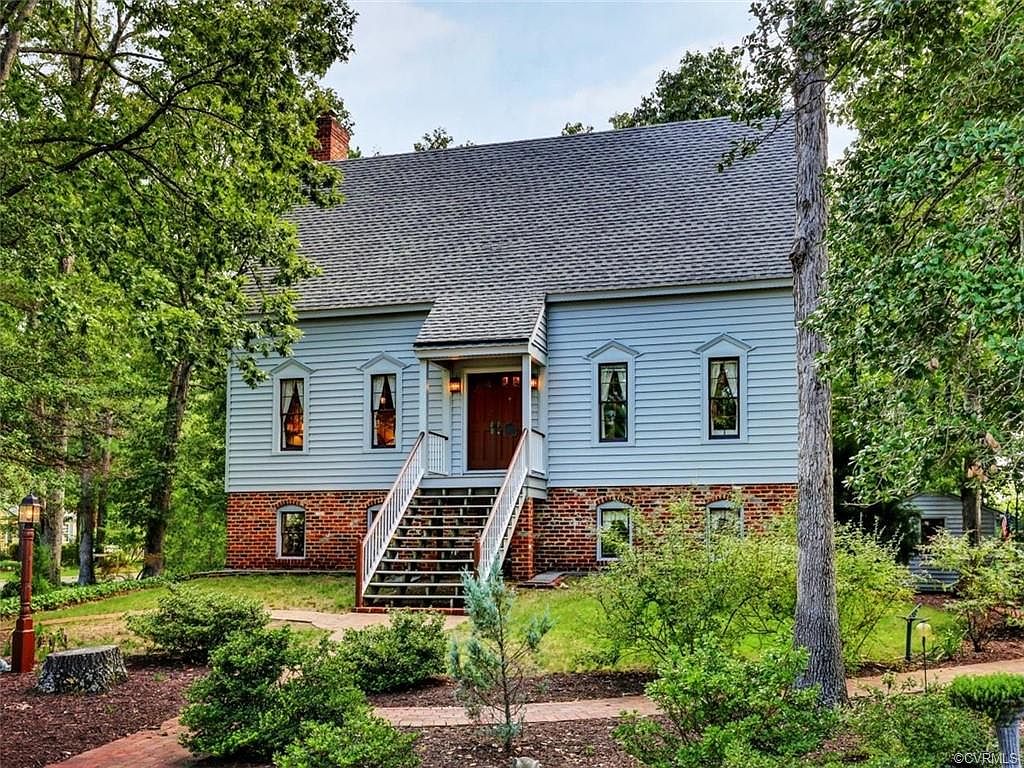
{"x": 383, "y": 416}
{"x": 293, "y": 414}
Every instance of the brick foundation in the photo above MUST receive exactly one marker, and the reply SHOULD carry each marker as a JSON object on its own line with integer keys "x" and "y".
{"x": 565, "y": 525}
{"x": 335, "y": 526}
{"x": 557, "y": 534}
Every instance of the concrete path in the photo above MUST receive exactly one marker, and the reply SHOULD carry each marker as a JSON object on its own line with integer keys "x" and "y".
{"x": 159, "y": 747}
{"x": 339, "y": 623}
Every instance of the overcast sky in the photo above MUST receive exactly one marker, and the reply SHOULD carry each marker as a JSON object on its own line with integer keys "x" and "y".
{"x": 502, "y": 71}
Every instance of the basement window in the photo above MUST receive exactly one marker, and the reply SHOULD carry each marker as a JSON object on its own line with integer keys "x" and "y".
{"x": 291, "y": 532}
{"x": 614, "y": 530}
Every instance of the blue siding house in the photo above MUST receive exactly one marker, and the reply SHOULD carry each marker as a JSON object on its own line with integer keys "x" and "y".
{"x": 513, "y": 347}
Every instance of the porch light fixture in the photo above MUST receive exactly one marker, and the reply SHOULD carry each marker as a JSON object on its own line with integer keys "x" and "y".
{"x": 535, "y": 381}
{"x": 455, "y": 386}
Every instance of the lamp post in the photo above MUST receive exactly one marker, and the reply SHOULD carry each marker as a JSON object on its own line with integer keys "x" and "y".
{"x": 23, "y": 646}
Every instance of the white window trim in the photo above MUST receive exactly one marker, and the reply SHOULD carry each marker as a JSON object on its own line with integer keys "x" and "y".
{"x": 612, "y": 506}
{"x": 371, "y": 512}
{"x": 612, "y": 352}
{"x": 723, "y": 345}
{"x": 305, "y": 529}
{"x": 290, "y": 369}
{"x": 723, "y": 504}
{"x": 382, "y": 364}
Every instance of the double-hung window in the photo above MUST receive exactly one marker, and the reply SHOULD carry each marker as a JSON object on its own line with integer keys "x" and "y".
{"x": 292, "y": 414}
{"x": 383, "y": 415}
{"x": 723, "y": 389}
{"x": 613, "y": 403}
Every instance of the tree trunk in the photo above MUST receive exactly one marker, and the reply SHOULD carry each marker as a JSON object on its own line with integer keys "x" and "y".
{"x": 53, "y": 528}
{"x": 817, "y": 616}
{"x": 167, "y": 455}
{"x": 103, "y": 489}
{"x": 86, "y": 670}
{"x": 86, "y": 526}
{"x": 971, "y": 502}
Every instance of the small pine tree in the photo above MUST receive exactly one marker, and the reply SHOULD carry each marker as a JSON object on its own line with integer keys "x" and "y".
{"x": 491, "y": 671}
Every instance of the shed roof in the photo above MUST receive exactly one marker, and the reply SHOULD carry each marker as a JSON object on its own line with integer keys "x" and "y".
{"x": 484, "y": 233}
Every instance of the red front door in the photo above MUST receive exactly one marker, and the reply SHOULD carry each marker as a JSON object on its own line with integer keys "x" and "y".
{"x": 495, "y": 418}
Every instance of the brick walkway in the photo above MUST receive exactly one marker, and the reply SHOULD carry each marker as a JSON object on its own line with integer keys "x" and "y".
{"x": 159, "y": 748}
{"x": 339, "y": 623}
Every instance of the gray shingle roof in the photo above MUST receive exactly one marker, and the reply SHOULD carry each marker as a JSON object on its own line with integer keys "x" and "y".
{"x": 486, "y": 232}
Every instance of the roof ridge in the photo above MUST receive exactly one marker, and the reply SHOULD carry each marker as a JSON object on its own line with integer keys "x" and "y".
{"x": 542, "y": 139}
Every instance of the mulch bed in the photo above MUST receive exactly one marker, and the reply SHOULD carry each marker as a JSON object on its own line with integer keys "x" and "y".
{"x": 554, "y": 687}
{"x": 556, "y": 745}
{"x": 36, "y": 728}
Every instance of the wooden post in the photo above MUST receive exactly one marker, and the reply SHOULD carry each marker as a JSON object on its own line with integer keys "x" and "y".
{"x": 424, "y": 395}
{"x": 359, "y": 574}
{"x": 527, "y": 391}
{"x": 23, "y": 645}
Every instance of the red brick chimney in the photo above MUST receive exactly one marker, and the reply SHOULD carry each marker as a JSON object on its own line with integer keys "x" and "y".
{"x": 332, "y": 138}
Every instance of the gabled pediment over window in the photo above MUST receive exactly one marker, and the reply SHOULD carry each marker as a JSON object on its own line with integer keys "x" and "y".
{"x": 383, "y": 361}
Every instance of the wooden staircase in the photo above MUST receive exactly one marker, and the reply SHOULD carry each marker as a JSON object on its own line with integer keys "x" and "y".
{"x": 433, "y": 544}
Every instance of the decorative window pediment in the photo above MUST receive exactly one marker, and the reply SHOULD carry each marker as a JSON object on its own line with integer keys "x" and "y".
{"x": 613, "y": 350}
{"x": 383, "y": 362}
{"x": 723, "y": 341}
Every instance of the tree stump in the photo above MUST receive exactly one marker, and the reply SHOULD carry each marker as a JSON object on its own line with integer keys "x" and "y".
{"x": 89, "y": 670}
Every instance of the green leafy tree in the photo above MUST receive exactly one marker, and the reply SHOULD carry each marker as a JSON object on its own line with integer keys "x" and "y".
{"x": 439, "y": 138}
{"x": 161, "y": 144}
{"x": 490, "y": 669}
{"x": 573, "y": 129}
{"x": 704, "y": 85}
{"x": 924, "y": 308}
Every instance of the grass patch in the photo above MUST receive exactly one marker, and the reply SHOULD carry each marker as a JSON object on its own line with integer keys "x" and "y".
{"x": 102, "y": 622}
{"x": 573, "y": 644}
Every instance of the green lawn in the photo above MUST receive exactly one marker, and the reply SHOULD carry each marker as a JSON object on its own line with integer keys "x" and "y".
{"x": 571, "y": 644}
{"x": 103, "y": 621}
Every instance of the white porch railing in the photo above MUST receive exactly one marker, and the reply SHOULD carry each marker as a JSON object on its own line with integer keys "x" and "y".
{"x": 537, "y": 453}
{"x": 496, "y": 535}
{"x": 429, "y": 454}
{"x": 438, "y": 455}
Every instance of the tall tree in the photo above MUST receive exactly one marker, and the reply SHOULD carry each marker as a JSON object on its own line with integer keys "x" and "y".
{"x": 165, "y": 141}
{"x": 790, "y": 52}
{"x": 704, "y": 85}
{"x": 925, "y": 315}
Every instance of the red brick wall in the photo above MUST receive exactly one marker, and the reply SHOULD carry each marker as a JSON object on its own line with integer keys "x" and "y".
{"x": 565, "y": 525}
{"x": 335, "y": 526}
{"x": 557, "y": 534}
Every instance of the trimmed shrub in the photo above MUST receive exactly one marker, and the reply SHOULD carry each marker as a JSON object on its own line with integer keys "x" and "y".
{"x": 61, "y": 598}
{"x": 724, "y": 709}
{"x": 368, "y": 743}
{"x": 412, "y": 649}
{"x": 263, "y": 684}
{"x": 999, "y": 696}
{"x": 190, "y": 623}
{"x": 915, "y": 730}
